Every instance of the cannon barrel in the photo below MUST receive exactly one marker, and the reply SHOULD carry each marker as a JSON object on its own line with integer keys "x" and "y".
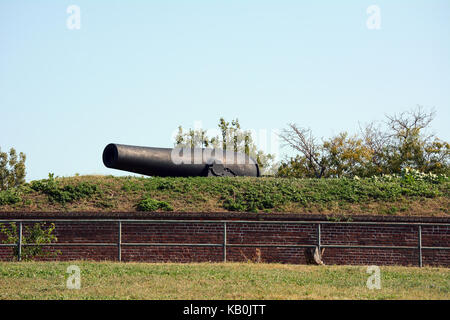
{"x": 179, "y": 162}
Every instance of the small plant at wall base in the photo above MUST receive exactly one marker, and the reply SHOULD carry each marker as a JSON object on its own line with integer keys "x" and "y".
{"x": 35, "y": 234}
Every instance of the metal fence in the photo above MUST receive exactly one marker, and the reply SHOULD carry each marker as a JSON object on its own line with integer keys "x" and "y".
{"x": 224, "y": 245}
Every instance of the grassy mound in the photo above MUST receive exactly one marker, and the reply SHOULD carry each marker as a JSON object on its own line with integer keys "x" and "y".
{"x": 388, "y": 195}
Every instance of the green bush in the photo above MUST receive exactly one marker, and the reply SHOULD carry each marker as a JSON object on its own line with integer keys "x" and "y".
{"x": 149, "y": 204}
{"x": 63, "y": 194}
{"x": 37, "y": 234}
{"x": 9, "y": 196}
{"x": 254, "y": 198}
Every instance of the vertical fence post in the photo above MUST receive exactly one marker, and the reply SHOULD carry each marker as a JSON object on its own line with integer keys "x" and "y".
{"x": 319, "y": 244}
{"x": 19, "y": 243}
{"x": 224, "y": 242}
{"x": 119, "y": 242}
{"x": 420, "y": 245}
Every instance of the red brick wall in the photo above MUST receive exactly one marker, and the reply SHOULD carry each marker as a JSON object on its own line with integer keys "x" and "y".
{"x": 248, "y": 233}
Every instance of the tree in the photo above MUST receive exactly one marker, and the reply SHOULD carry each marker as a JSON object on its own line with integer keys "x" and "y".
{"x": 231, "y": 137}
{"x": 12, "y": 169}
{"x": 377, "y": 142}
{"x": 412, "y": 147}
{"x": 347, "y": 156}
{"x": 312, "y": 162}
{"x": 340, "y": 156}
{"x": 402, "y": 143}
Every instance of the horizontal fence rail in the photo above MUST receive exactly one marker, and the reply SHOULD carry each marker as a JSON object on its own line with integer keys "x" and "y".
{"x": 119, "y": 244}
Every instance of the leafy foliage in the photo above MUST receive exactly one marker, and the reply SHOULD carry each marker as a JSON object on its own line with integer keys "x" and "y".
{"x": 9, "y": 196}
{"x": 231, "y": 136}
{"x": 274, "y": 194}
{"x": 12, "y": 169}
{"x": 149, "y": 204}
{"x": 252, "y": 199}
{"x": 36, "y": 234}
{"x": 375, "y": 151}
{"x": 63, "y": 194}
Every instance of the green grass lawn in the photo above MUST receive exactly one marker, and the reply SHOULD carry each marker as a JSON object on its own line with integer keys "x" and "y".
{"x": 111, "y": 280}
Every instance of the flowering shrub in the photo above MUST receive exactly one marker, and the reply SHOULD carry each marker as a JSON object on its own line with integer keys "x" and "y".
{"x": 409, "y": 175}
{"x": 416, "y": 175}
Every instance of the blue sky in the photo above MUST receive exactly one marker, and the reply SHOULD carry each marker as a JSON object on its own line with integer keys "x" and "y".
{"x": 135, "y": 70}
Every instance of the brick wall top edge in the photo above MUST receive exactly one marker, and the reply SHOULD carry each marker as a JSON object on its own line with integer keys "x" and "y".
{"x": 216, "y": 216}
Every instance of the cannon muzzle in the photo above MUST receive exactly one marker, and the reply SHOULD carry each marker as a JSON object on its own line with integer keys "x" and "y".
{"x": 179, "y": 162}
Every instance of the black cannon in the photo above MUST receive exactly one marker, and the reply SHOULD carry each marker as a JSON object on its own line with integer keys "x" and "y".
{"x": 179, "y": 162}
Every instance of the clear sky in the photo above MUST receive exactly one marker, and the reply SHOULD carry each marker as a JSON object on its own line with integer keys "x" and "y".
{"x": 135, "y": 70}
